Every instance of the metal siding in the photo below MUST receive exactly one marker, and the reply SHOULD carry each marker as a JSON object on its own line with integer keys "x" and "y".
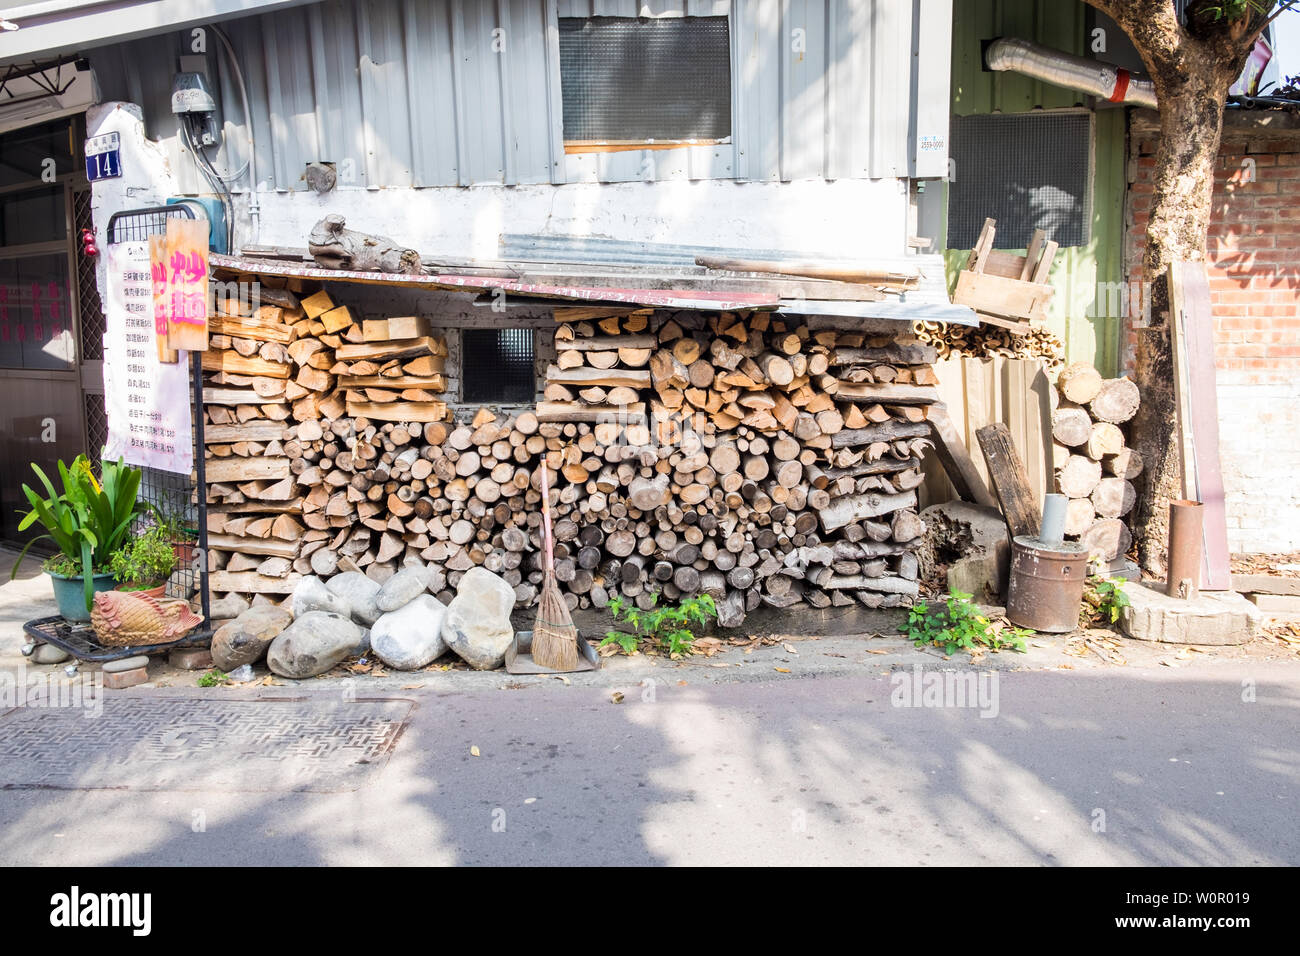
{"x": 1083, "y": 276}
{"x": 408, "y": 93}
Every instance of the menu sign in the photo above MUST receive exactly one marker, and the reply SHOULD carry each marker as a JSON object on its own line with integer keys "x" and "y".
{"x": 148, "y": 400}
{"x": 180, "y": 264}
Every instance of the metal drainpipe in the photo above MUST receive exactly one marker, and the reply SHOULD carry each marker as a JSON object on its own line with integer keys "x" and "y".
{"x": 1106, "y": 80}
{"x": 254, "y": 207}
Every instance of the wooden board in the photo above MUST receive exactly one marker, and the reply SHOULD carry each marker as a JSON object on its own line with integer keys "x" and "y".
{"x": 1197, "y": 404}
{"x": 250, "y": 582}
{"x": 247, "y": 545}
{"x": 1000, "y": 296}
{"x": 1009, "y": 481}
{"x": 245, "y": 469}
{"x": 956, "y": 460}
{"x": 399, "y": 411}
{"x": 247, "y": 431}
{"x": 236, "y": 364}
{"x": 408, "y": 348}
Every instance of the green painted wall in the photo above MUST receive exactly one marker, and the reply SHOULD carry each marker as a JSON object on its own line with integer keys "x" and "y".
{"x": 1078, "y": 273}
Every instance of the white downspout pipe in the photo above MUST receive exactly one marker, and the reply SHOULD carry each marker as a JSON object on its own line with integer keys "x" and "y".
{"x": 1110, "y": 82}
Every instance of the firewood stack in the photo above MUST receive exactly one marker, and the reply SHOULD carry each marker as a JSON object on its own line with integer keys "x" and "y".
{"x": 989, "y": 340}
{"x": 752, "y": 457}
{"x": 1095, "y": 467}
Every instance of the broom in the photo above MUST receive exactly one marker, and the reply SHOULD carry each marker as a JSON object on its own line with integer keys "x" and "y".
{"x": 555, "y": 639}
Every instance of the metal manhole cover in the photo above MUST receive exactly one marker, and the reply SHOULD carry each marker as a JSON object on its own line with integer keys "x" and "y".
{"x": 200, "y": 744}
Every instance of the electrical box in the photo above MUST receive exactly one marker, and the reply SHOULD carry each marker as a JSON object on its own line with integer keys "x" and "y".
{"x": 210, "y": 210}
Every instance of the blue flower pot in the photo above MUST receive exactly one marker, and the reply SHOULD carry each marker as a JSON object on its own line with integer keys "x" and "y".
{"x": 70, "y": 594}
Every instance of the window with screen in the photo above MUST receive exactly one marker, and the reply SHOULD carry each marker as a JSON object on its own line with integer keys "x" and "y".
{"x": 497, "y": 366}
{"x": 1026, "y": 170}
{"x": 627, "y": 81}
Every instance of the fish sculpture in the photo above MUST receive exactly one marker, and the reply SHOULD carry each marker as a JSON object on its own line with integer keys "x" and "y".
{"x": 130, "y": 618}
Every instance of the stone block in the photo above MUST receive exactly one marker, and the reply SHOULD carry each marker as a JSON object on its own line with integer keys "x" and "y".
{"x": 1214, "y": 617}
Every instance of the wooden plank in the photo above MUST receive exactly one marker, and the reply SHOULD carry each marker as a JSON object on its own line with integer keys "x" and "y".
{"x": 607, "y": 343}
{"x": 247, "y": 545}
{"x": 638, "y": 378}
{"x": 1009, "y": 481}
{"x": 399, "y": 411}
{"x": 408, "y": 348}
{"x": 1197, "y": 407}
{"x": 434, "y": 383}
{"x": 245, "y": 469}
{"x": 236, "y": 364}
{"x": 983, "y": 245}
{"x": 1000, "y": 296}
{"x": 956, "y": 460}
{"x": 1033, "y": 254}
{"x": 247, "y": 431}
{"x": 1006, "y": 264}
{"x": 888, "y": 394}
{"x": 238, "y": 396}
{"x": 250, "y": 582}
{"x": 248, "y": 329}
{"x": 578, "y": 412}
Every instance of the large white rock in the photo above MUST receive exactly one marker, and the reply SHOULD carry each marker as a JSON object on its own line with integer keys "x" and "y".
{"x": 312, "y": 644}
{"x": 245, "y": 639}
{"x": 410, "y": 637}
{"x": 311, "y": 594}
{"x": 477, "y": 624}
{"x": 360, "y": 593}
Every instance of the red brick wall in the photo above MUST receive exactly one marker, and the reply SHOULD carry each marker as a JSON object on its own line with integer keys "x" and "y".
{"x": 1254, "y": 256}
{"x": 1254, "y": 268}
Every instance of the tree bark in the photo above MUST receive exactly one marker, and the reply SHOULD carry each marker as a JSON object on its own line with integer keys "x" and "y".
{"x": 1192, "y": 66}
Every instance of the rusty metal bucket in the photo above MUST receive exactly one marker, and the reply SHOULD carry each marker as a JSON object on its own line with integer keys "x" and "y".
{"x": 1046, "y": 586}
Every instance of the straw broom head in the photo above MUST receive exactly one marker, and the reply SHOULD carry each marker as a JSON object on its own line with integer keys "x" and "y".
{"x": 555, "y": 639}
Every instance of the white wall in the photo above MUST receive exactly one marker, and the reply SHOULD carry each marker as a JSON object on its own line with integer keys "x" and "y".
{"x": 1260, "y": 457}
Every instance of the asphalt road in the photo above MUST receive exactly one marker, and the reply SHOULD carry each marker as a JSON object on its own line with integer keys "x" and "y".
{"x": 1107, "y": 767}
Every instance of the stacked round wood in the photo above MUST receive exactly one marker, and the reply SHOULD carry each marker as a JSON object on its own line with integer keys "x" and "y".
{"x": 1095, "y": 468}
{"x": 985, "y": 340}
{"x": 747, "y": 457}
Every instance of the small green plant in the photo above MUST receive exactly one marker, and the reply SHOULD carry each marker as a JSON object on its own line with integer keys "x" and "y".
{"x": 1233, "y": 9}
{"x": 1103, "y": 601}
{"x": 144, "y": 562}
{"x": 88, "y": 520}
{"x": 957, "y": 624}
{"x": 668, "y": 628}
{"x": 213, "y": 678}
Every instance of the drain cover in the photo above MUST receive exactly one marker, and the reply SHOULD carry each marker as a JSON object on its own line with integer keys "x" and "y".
{"x": 150, "y": 743}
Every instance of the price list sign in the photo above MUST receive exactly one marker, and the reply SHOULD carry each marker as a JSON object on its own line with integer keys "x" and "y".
{"x": 148, "y": 400}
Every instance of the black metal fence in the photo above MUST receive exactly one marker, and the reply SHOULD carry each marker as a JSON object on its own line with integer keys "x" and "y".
{"x": 179, "y": 497}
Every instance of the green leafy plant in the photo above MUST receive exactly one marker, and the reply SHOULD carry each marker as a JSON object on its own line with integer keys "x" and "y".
{"x": 146, "y": 561}
{"x": 669, "y": 628}
{"x": 88, "y": 520}
{"x": 957, "y": 624}
{"x": 1103, "y": 601}
{"x": 213, "y": 678}
{"x": 1233, "y": 9}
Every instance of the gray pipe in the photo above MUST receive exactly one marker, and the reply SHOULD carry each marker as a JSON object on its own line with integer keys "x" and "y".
{"x": 254, "y": 207}
{"x": 1073, "y": 72}
{"x": 1052, "y": 529}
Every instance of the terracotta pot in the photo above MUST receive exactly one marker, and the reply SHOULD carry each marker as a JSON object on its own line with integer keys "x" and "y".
{"x": 159, "y": 590}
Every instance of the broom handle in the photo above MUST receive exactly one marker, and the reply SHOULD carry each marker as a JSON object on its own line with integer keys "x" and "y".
{"x": 547, "y": 544}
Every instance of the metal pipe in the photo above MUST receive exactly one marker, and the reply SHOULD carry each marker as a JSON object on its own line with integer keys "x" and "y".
{"x": 254, "y": 207}
{"x": 1186, "y": 523}
{"x": 1052, "y": 529}
{"x": 1106, "y": 80}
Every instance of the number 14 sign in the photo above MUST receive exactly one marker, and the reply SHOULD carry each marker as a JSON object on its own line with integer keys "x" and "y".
{"x": 103, "y": 157}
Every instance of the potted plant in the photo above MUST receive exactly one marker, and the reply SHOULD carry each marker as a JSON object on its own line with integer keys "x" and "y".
{"x": 145, "y": 563}
{"x": 88, "y": 521}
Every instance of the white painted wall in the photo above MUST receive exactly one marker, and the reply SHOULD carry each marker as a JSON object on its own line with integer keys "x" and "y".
{"x": 844, "y": 218}
{"x": 1260, "y": 458}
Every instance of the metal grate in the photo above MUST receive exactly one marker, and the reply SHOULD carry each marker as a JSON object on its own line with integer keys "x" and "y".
{"x": 91, "y": 309}
{"x": 96, "y": 426}
{"x": 1028, "y": 171}
{"x": 176, "y": 496}
{"x": 624, "y": 79}
{"x": 497, "y": 366}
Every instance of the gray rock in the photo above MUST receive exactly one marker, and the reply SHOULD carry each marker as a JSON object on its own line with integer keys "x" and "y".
{"x": 311, "y": 594}
{"x": 312, "y": 644}
{"x": 49, "y": 654}
{"x": 227, "y": 608}
{"x": 245, "y": 639}
{"x": 125, "y": 664}
{"x": 401, "y": 588}
{"x": 477, "y": 624}
{"x": 360, "y": 592}
{"x": 410, "y": 637}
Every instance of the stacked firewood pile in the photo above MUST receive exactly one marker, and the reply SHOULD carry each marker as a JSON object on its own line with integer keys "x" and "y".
{"x": 990, "y": 340}
{"x": 751, "y": 457}
{"x": 1095, "y": 467}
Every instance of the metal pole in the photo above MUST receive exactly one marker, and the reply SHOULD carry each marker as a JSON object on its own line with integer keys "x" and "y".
{"x": 1186, "y": 524}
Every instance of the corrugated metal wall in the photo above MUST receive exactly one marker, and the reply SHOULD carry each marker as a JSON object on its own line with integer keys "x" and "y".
{"x": 1086, "y": 277}
{"x": 406, "y": 93}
